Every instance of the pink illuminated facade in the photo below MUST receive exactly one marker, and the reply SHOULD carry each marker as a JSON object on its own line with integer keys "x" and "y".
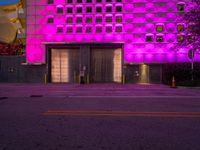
{"x": 147, "y": 29}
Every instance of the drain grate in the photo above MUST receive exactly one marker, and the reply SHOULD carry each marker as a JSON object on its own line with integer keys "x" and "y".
{"x": 36, "y": 95}
{"x": 2, "y": 98}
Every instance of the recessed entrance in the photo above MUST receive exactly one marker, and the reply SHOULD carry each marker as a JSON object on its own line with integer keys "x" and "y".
{"x": 85, "y": 63}
{"x": 144, "y": 73}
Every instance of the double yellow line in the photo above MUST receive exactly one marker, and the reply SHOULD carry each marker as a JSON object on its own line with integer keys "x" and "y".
{"x": 85, "y": 113}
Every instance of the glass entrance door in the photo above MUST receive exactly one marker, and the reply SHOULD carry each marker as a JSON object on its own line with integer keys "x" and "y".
{"x": 64, "y": 65}
{"x": 106, "y": 65}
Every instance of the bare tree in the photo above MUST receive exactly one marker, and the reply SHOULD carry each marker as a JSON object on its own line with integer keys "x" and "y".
{"x": 192, "y": 19}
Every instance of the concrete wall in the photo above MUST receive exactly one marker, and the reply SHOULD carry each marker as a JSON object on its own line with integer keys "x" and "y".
{"x": 12, "y": 70}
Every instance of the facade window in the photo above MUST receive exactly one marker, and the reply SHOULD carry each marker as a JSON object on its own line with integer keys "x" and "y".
{"x": 50, "y": 20}
{"x": 50, "y": 1}
{"x": 108, "y": 0}
{"x": 79, "y": 20}
{"x": 118, "y": 19}
{"x": 98, "y": 29}
{"x": 191, "y": 38}
{"x": 69, "y": 29}
{"x": 159, "y": 28}
{"x": 118, "y": 8}
{"x": 69, "y": 1}
{"x": 191, "y": 28}
{"x": 69, "y": 20}
{"x": 118, "y": 29}
{"x": 59, "y": 29}
{"x": 88, "y": 9}
{"x": 118, "y": 0}
{"x": 109, "y": 19}
{"x": 88, "y": 29}
{"x": 88, "y": 19}
{"x": 99, "y": 9}
{"x": 180, "y": 27}
{"x": 89, "y": 1}
{"x": 79, "y": 1}
{"x": 98, "y": 1}
{"x": 79, "y": 30}
{"x": 79, "y": 9}
{"x": 180, "y": 38}
{"x": 149, "y": 38}
{"x": 108, "y": 29}
{"x": 98, "y": 19}
{"x": 109, "y": 9}
{"x": 181, "y": 7}
{"x": 59, "y": 10}
{"x": 69, "y": 10}
{"x": 159, "y": 38}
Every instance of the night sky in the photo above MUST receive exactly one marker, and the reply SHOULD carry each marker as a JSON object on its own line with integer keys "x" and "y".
{"x": 8, "y": 2}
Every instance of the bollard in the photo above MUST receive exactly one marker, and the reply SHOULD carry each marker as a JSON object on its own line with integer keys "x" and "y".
{"x": 88, "y": 79}
{"x": 123, "y": 78}
{"x": 79, "y": 79}
{"x": 45, "y": 78}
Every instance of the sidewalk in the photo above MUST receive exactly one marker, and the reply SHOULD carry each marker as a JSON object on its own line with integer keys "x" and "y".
{"x": 66, "y": 90}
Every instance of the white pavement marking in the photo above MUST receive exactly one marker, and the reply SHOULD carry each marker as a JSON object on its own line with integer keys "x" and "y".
{"x": 196, "y": 97}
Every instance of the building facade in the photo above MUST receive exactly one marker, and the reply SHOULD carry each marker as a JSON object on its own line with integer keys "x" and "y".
{"x": 105, "y": 40}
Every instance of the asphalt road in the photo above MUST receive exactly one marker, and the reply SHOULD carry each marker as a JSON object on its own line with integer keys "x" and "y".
{"x": 149, "y": 119}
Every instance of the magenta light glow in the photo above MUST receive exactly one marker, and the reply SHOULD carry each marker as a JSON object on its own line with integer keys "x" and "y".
{"x": 128, "y": 22}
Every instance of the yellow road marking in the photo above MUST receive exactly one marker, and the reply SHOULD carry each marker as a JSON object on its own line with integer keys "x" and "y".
{"x": 120, "y": 113}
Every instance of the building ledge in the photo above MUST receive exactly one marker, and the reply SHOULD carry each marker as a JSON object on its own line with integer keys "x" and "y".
{"x": 32, "y": 64}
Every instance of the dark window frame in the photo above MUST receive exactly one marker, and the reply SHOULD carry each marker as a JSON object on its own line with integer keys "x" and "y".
{"x": 59, "y": 10}
{"x": 159, "y": 38}
{"x": 50, "y": 20}
{"x": 69, "y": 1}
{"x": 118, "y": 19}
{"x": 98, "y": 19}
{"x": 69, "y": 10}
{"x": 108, "y": 29}
{"x": 98, "y": 9}
{"x": 118, "y": 8}
{"x": 88, "y": 9}
{"x": 149, "y": 38}
{"x": 99, "y": 29}
{"x": 88, "y": 29}
{"x": 79, "y": 9}
{"x": 69, "y": 20}
{"x": 50, "y": 1}
{"x": 79, "y": 29}
{"x": 118, "y": 29}
{"x": 60, "y": 29}
{"x": 108, "y": 8}
{"x": 69, "y": 30}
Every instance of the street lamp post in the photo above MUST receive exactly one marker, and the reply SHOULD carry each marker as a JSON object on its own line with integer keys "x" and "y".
{"x": 191, "y": 56}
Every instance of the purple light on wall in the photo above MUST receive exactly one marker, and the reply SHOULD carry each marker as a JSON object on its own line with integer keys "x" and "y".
{"x": 128, "y": 22}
